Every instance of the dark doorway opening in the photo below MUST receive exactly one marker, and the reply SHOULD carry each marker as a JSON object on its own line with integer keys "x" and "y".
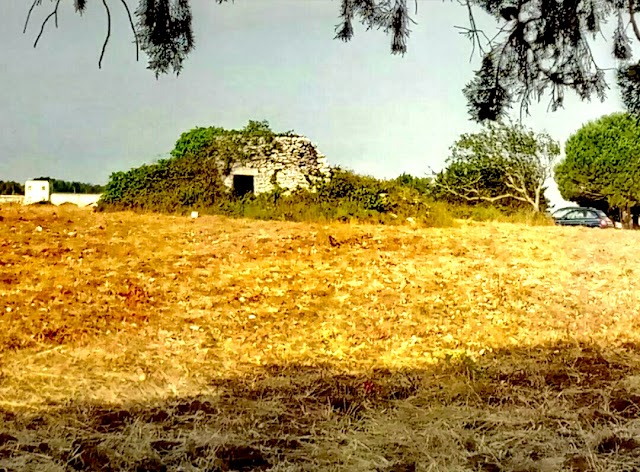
{"x": 242, "y": 185}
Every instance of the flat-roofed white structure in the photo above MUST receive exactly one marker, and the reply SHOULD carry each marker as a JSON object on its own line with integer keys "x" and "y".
{"x": 79, "y": 199}
{"x": 36, "y": 191}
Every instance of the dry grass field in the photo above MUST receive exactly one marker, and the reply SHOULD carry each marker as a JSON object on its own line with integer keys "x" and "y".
{"x": 155, "y": 343}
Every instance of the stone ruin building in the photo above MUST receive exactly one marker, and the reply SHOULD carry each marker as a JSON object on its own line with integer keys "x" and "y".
{"x": 295, "y": 163}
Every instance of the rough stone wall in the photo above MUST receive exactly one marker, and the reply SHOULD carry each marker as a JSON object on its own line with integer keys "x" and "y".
{"x": 296, "y": 163}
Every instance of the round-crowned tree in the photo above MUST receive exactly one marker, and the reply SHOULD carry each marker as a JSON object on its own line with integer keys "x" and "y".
{"x": 602, "y": 165}
{"x": 505, "y": 165}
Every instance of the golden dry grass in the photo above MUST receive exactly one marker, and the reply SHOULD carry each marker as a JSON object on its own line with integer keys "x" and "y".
{"x": 148, "y": 342}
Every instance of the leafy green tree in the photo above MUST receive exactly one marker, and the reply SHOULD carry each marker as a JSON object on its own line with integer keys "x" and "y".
{"x": 11, "y": 188}
{"x": 602, "y": 164}
{"x": 196, "y": 141}
{"x": 542, "y": 46}
{"x": 229, "y": 147}
{"x": 504, "y": 164}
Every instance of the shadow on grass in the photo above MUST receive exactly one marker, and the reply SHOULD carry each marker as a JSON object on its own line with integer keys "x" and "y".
{"x": 560, "y": 407}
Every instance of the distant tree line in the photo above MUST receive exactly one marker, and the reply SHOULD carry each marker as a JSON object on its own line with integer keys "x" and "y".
{"x": 11, "y": 188}
{"x": 504, "y": 167}
{"x": 55, "y": 185}
{"x": 62, "y": 186}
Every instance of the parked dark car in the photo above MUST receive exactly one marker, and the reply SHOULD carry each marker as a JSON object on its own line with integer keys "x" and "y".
{"x": 582, "y": 216}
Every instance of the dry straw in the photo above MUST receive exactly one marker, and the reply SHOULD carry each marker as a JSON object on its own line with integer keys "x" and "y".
{"x": 145, "y": 342}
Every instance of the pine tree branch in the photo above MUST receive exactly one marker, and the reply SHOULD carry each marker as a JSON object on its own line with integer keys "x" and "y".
{"x": 473, "y": 33}
{"x": 133, "y": 28}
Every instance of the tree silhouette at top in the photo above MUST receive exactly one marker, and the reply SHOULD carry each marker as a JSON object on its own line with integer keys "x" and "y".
{"x": 542, "y": 47}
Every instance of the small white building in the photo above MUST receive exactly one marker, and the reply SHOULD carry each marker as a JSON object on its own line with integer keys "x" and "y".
{"x": 36, "y": 191}
{"x": 39, "y": 191}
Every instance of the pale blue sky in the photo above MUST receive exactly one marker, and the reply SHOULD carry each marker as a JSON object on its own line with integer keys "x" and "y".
{"x": 255, "y": 59}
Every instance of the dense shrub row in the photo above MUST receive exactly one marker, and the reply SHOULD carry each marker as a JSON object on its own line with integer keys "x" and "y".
{"x": 345, "y": 196}
{"x": 192, "y": 179}
{"x": 191, "y": 183}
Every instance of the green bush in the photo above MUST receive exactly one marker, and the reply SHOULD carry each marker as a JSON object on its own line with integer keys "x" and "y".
{"x": 170, "y": 185}
{"x": 228, "y": 146}
{"x": 440, "y": 215}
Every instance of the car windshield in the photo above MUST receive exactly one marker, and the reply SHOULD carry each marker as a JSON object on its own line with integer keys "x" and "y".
{"x": 601, "y": 213}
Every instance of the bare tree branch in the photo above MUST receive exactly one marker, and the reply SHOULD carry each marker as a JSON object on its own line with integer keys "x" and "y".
{"x": 472, "y": 194}
{"x": 521, "y": 191}
{"x": 33, "y": 5}
{"x": 106, "y": 39}
{"x": 54, "y": 13}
